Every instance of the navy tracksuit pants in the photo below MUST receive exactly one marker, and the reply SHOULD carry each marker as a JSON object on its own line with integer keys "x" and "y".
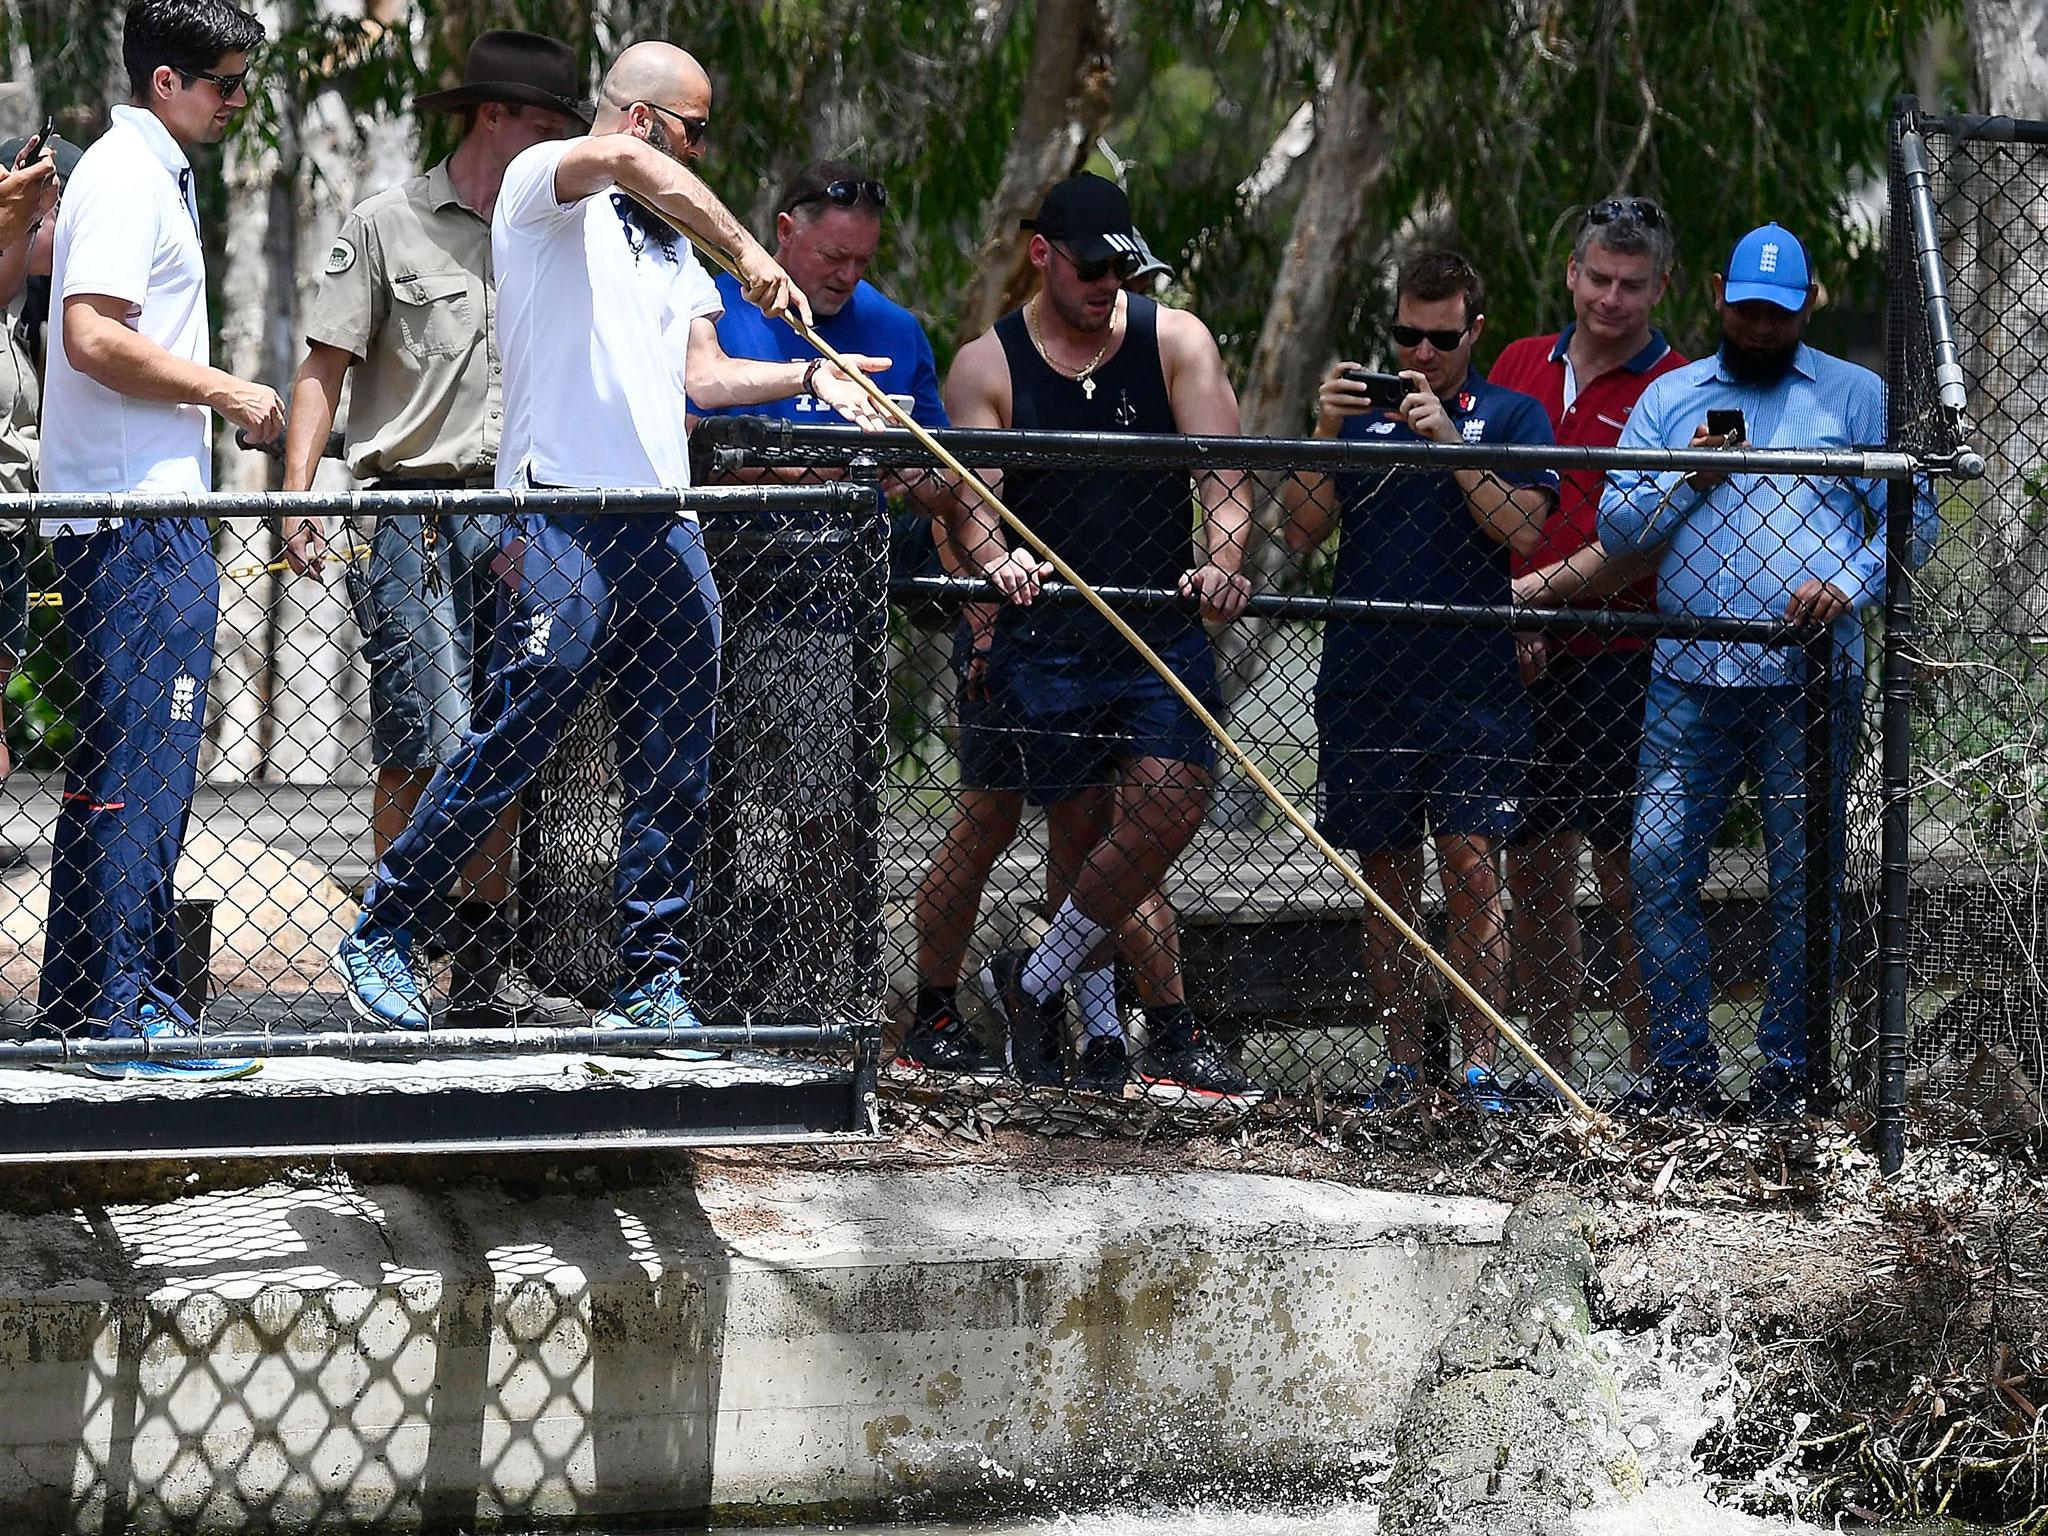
{"x": 140, "y": 604}
{"x": 627, "y": 602}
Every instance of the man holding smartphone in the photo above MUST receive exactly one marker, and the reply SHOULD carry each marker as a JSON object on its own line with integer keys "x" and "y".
{"x": 1586, "y": 692}
{"x": 1805, "y": 549}
{"x": 1426, "y": 729}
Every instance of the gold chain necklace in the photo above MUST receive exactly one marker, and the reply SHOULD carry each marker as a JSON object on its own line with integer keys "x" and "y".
{"x": 1082, "y": 377}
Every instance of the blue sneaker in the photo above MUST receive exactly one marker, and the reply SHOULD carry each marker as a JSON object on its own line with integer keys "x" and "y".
{"x": 1398, "y": 1087}
{"x": 1482, "y": 1091}
{"x": 656, "y": 1003}
{"x": 153, "y": 1023}
{"x": 383, "y": 987}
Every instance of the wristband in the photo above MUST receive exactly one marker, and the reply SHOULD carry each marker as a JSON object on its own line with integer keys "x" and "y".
{"x": 811, "y": 376}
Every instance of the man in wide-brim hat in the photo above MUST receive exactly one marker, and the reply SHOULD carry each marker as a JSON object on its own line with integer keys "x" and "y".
{"x": 407, "y": 300}
{"x": 519, "y": 68}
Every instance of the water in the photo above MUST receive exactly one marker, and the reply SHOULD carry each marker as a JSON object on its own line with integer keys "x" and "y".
{"x": 1660, "y": 1512}
{"x": 1672, "y": 1390}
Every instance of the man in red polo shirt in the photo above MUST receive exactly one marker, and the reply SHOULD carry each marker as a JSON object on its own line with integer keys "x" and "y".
{"x": 1587, "y": 692}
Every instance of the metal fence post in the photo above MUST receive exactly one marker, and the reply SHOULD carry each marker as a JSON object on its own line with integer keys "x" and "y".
{"x": 1914, "y": 263}
{"x": 1819, "y": 732}
{"x": 871, "y": 678}
{"x": 1895, "y": 895}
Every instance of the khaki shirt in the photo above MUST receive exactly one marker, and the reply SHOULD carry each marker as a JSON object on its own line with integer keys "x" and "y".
{"x": 408, "y": 291}
{"x": 20, "y": 397}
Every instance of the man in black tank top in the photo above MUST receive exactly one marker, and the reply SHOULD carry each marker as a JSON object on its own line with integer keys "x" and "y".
{"x": 1119, "y": 762}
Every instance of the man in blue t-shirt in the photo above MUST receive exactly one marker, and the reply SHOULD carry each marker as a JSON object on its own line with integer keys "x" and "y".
{"x": 829, "y": 222}
{"x": 1426, "y": 727}
{"x": 794, "y": 680}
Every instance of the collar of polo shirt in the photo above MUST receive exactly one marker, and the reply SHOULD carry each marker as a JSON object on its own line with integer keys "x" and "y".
{"x": 156, "y": 136}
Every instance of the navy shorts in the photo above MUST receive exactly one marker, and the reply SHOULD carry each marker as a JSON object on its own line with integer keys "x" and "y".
{"x": 1066, "y": 721}
{"x": 1397, "y": 766}
{"x": 986, "y": 754}
{"x": 1588, "y": 720}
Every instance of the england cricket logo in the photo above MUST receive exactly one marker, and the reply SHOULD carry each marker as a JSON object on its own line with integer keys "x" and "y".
{"x": 184, "y": 698}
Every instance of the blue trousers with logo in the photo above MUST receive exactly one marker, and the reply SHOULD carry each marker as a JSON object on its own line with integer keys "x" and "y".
{"x": 140, "y": 605}
{"x": 625, "y": 602}
{"x": 1697, "y": 741}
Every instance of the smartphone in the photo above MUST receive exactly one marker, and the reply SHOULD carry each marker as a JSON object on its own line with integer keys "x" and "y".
{"x": 1728, "y": 426}
{"x": 34, "y": 146}
{"x": 1385, "y": 390}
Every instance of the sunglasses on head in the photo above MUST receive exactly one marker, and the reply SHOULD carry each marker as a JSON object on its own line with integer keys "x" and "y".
{"x": 1414, "y": 335}
{"x": 1124, "y": 264}
{"x": 227, "y": 85}
{"x": 1641, "y": 209}
{"x": 846, "y": 194}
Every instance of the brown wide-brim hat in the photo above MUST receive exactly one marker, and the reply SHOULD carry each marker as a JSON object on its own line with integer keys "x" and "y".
{"x": 522, "y": 68}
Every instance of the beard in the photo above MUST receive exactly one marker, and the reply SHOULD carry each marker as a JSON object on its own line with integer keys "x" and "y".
{"x": 1757, "y": 365}
{"x": 1076, "y": 315}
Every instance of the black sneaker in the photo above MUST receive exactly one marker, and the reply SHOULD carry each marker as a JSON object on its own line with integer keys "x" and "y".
{"x": 946, "y": 1045}
{"x": 1777, "y": 1096}
{"x": 1105, "y": 1066}
{"x": 1662, "y": 1093}
{"x": 500, "y": 993}
{"x": 1037, "y": 1031}
{"x": 1188, "y": 1069}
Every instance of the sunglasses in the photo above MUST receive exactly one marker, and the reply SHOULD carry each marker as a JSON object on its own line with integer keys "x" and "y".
{"x": 1124, "y": 264}
{"x": 227, "y": 85}
{"x": 694, "y": 128}
{"x": 1414, "y": 336}
{"x": 1641, "y": 209}
{"x": 846, "y": 194}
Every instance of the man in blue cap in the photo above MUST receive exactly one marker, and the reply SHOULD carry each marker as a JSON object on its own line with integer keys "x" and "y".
{"x": 1808, "y": 550}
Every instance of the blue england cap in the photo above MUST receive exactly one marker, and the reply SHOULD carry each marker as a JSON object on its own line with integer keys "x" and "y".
{"x": 1768, "y": 264}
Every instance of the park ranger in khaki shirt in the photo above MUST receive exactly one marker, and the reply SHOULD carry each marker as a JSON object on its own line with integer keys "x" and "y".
{"x": 405, "y": 309}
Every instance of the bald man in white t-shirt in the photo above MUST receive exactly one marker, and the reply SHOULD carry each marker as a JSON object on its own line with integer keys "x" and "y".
{"x": 604, "y": 318}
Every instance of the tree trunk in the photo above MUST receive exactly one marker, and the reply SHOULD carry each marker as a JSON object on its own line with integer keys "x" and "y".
{"x": 2009, "y": 46}
{"x": 1065, "y": 102}
{"x": 236, "y": 711}
{"x": 1345, "y": 162}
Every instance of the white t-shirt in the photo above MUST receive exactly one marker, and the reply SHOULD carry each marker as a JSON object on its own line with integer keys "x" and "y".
{"x": 593, "y": 321}
{"x": 128, "y": 229}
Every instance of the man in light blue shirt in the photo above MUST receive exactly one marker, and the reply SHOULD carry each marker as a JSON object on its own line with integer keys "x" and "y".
{"x": 1806, "y": 550}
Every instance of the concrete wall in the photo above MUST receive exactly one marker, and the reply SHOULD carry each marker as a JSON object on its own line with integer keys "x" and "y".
{"x": 393, "y": 1358}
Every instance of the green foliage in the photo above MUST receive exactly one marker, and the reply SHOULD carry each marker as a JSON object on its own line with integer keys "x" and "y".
{"x": 41, "y": 696}
{"x": 1500, "y": 122}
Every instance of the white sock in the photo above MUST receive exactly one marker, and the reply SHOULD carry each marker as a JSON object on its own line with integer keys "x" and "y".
{"x": 1095, "y": 992}
{"x": 1062, "y": 952}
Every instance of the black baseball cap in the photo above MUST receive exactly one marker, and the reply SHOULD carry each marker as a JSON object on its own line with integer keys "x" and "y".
{"x": 1091, "y": 217}
{"x": 62, "y": 150}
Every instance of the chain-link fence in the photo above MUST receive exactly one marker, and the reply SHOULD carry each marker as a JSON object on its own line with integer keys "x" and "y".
{"x": 1657, "y": 922}
{"x": 1965, "y": 777}
{"x": 673, "y": 713}
{"x": 1633, "y": 805}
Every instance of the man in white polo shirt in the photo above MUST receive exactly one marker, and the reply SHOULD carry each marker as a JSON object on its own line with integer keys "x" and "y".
{"x": 126, "y": 407}
{"x": 603, "y": 314}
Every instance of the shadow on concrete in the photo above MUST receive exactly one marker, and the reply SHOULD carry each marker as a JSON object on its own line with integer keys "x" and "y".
{"x": 371, "y": 1356}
